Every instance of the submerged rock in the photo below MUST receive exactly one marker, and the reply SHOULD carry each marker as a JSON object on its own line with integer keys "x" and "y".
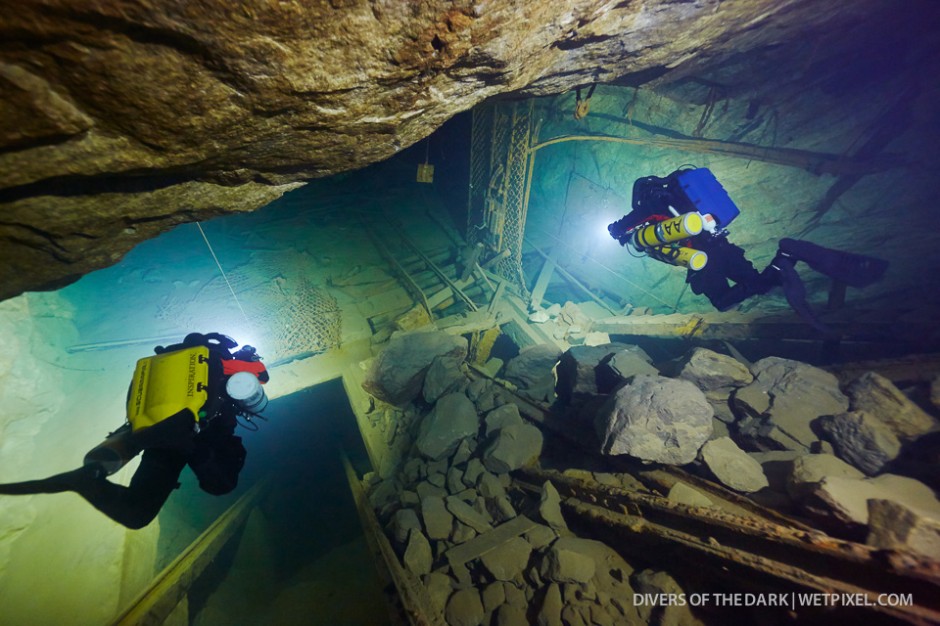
{"x": 807, "y": 470}
{"x": 861, "y": 439}
{"x": 583, "y": 373}
{"x": 418, "y": 558}
{"x": 846, "y": 499}
{"x": 875, "y": 394}
{"x": 894, "y": 526}
{"x": 509, "y": 560}
{"x": 532, "y": 370}
{"x": 785, "y": 397}
{"x": 732, "y": 466}
{"x": 453, "y": 419}
{"x": 711, "y": 371}
{"x": 655, "y": 419}
{"x": 513, "y": 447}
{"x": 396, "y": 375}
{"x": 465, "y": 608}
{"x": 566, "y": 562}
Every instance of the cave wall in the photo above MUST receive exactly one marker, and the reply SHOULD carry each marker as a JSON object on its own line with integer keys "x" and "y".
{"x": 120, "y": 120}
{"x": 61, "y": 562}
{"x": 868, "y": 127}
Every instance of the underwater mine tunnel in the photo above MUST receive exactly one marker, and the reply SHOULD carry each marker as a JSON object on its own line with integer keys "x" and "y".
{"x": 501, "y": 388}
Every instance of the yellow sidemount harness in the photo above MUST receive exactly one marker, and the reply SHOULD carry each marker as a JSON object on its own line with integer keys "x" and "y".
{"x": 167, "y": 383}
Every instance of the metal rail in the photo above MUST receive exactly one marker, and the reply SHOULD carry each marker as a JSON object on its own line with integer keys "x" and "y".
{"x": 789, "y": 559}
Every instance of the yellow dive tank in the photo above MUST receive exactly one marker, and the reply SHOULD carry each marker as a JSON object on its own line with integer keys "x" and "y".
{"x": 674, "y": 229}
{"x": 679, "y": 255}
{"x": 167, "y": 383}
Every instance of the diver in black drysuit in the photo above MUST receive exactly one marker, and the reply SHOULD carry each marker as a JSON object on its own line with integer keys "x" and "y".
{"x": 652, "y": 196}
{"x": 213, "y": 452}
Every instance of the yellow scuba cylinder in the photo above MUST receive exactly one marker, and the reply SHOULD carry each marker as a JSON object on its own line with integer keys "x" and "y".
{"x": 674, "y": 229}
{"x": 167, "y": 383}
{"x": 679, "y": 255}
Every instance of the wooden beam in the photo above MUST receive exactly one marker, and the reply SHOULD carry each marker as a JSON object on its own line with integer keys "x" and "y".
{"x": 406, "y": 279}
{"x": 732, "y": 326}
{"x": 574, "y": 281}
{"x": 544, "y": 278}
{"x": 171, "y": 585}
{"x": 414, "y": 595}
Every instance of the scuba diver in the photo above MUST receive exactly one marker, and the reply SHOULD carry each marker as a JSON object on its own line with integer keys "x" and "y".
{"x": 682, "y": 220}
{"x": 183, "y": 405}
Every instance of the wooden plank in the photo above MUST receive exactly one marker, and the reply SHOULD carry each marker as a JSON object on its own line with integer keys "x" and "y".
{"x": 541, "y": 283}
{"x": 402, "y": 274}
{"x": 738, "y": 326}
{"x": 574, "y": 281}
{"x": 481, "y": 544}
{"x": 386, "y": 563}
{"x": 157, "y": 602}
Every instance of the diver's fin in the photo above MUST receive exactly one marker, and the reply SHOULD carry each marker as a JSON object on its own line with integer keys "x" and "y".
{"x": 795, "y": 292}
{"x": 855, "y": 270}
{"x": 75, "y": 480}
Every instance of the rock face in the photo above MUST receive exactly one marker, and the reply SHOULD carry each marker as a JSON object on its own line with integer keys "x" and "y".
{"x": 655, "y": 419}
{"x": 154, "y": 114}
{"x": 397, "y": 375}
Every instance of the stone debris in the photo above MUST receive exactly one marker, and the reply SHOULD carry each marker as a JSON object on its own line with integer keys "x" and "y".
{"x": 656, "y": 583}
{"x": 714, "y": 372}
{"x": 465, "y": 608}
{"x": 895, "y": 526}
{"x": 509, "y": 561}
{"x": 418, "y": 558}
{"x": 550, "y": 507}
{"x": 809, "y": 469}
{"x": 785, "y": 397}
{"x": 845, "y": 500}
{"x": 396, "y": 375}
{"x": 732, "y": 466}
{"x": 684, "y": 494}
{"x": 532, "y": 370}
{"x": 583, "y": 372}
{"x": 452, "y": 419}
{"x": 513, "y": 447}
{"x": 565, "y": 562}
{"x": 444, "y": 376}
{"x": 453, "y": 515}
{"x": 878, "y": 396}
{"x": 861, "y": 439}
{"x": 506, "y": 415}
{"x": 655, "y": 418}
{"x": 631, "y": 361}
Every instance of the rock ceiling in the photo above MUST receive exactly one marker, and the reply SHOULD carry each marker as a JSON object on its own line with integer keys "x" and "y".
{"x": 119, "y": 120}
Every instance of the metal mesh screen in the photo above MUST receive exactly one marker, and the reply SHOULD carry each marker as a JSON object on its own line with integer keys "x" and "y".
{"x": 498, "y": 196}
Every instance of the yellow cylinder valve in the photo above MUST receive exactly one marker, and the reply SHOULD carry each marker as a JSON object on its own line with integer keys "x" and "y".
{"x": 674, "y": 229}
{"x": 679, "y": 255}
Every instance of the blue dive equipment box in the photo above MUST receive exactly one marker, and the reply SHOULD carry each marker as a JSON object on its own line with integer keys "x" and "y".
{"x": 708, "y": 196}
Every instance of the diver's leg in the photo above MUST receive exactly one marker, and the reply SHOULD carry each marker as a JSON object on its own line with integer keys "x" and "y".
{"x": 138, "y": 504}
{"x": 134, "y": 506}
{"x": 726, "y": 261}
{"x": 855, "y": 270}
{"x": 794, "y": 290}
